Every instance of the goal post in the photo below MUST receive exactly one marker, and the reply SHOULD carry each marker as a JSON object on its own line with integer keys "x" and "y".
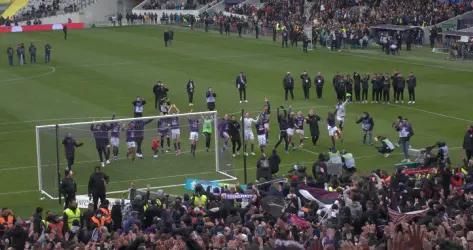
{"x": 172, "y": 165}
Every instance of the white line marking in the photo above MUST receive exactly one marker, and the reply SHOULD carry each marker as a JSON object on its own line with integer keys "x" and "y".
{"x": 432, "y": 113}
{"x": 52, "y": 70}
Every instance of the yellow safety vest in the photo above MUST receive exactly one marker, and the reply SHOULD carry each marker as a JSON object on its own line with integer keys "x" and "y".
{"x": 72, "y": 216}
{"x": 200, "y": 201}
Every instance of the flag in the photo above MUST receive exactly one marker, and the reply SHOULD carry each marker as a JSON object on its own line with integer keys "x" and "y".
{"x": 397, "y": 217}
{"x": 322, "y": 195}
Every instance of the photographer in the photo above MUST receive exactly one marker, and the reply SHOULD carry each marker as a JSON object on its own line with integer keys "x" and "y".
{"x": 405, "y": 131}
{"x": 210, "y": 98}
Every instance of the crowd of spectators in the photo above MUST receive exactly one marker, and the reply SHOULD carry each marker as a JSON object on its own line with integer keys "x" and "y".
{"x": 36, "y": 9}
{"x": 175, "y": 4}
{"x": 243, "y": 9}
{"x": 427, "y": 207}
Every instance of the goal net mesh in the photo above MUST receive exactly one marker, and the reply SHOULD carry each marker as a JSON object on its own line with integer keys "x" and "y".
{"x": 168, "y": 169}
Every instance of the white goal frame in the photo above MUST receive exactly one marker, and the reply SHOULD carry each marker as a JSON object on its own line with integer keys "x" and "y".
{"x": 229, "y": 177}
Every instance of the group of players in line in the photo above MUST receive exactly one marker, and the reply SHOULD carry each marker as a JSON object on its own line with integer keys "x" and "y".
{"x": 291, "y": 124}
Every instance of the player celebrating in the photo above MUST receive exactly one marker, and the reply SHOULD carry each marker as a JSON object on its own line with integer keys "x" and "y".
{"x": 291, "y": 119}
{"x": 130, "y": 141}
{"x": 249, "y": 136}
{"x": 114, "y": 128}
{"x": 340, "y": 113}
{"x": 333, "y": 131}
{"x": 265, "y": 115}
{"x": 163, "y": 132}
{"x": 299, "y": 125}
{"x": 139, "y": 135}
{"x": 224, "y": 127}
{"x": 175, "y": 130}
{"x": 100, "y": 132}
{"x": 194, "y": 133}
{"x": 283, "y": 126}
{"x": 261, "y": 133}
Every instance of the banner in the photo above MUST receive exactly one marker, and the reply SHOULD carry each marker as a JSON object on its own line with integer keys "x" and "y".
{"x": 83, "y": 201}
{"x": 190, "y": 184}
{"x": 414, "y": 171}
{"x": 40, "y": 27}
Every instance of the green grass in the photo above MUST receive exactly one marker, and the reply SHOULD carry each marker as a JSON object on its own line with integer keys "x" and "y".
{"x": 98, "y": 72}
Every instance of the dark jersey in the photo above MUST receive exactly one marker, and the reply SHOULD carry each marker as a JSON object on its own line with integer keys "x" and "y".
{"x": 194, "y": 125}
{"x": 163, "y": 125}
{"x": 299, "y": 122}
{"x": 260, "y": 130}
{"x": 100, "y": 132}
{"x": 114, "y": 129}
{"x": 174, "y": 123}
{"x": 313, "y": 121}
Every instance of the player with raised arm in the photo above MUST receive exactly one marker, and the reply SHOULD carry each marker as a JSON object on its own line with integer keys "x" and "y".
{"x": 249, "y": 135}
{"x": 340, "y": 113}
{"x": 130, "y": 141}
{"x": 175, "y": 129}
{"x": 291, "y": 120}
{"x": 299, "y": 125}
{"x": 283, "y": 126}
{"x": 100, "y": 132}
{"x": 333, "y": 131}
{"x": 164, "y": 132}
{"x": 114, "y": 128}
{"x": 139, "y": 135}
{"x": 265, "y": 116}
{"x": 261, "y": 134}
{"x": 194, "y": 133}
{"x": 224, "y": 127}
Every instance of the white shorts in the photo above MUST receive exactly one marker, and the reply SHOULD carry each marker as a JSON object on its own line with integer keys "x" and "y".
{"x": 115, "y": 141}
{"x": 332, "y": 131}
{"x": 266, "y": 126}
{"x": 194, "y": 136}
{"x": 262, "y": 140}
{"x": 249, "y": 136}
{"x": 300, "y": 132}
{"x": 225, "y": 135}
{"x": 175, "y": 133}
{"x": 131, "y": 144}
{"x": 290, "y": 131}
{"x": 341, "y": 118}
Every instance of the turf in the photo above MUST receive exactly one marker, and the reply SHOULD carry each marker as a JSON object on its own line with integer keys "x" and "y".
{"x": 97, "y": 72}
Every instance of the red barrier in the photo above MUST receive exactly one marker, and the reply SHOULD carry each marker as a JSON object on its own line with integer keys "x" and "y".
{"x": 40, "y": 27}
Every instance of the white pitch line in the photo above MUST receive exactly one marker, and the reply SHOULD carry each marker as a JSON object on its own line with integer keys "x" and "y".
{"x": 432, "y": 113}
{"x": 52, "y": 70}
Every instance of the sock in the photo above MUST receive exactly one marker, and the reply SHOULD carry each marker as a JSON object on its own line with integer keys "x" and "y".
{"x": 168, "y": 141}
{"x": 178, "y": 146}
{"x": 175, "y": 146}
{"x": 252, "y": 147}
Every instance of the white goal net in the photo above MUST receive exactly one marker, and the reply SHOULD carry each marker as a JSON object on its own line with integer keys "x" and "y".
{"x": 156, "y": 151}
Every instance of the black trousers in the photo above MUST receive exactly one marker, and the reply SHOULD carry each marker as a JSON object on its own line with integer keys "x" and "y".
{"x": 242, "y": 92}
{"x": 315, "y": 138}
{"x": 319, "y": 89}
{"x": 208, "y": 137}
{"x": 289, "y": 90}
{"x": 96, "y": 197}
{"x": 102, "y": 151}
{"x": 236, "y": 144}
{"x": 283, "y": 136}
{"x": 364, "y": 94}
{"x": 385, "y": 95}
{"x": 306, "y": 92}
{"x": 468, "y": 154}
{"x": 284, "y": 43}
{"x": 156, "y": 101}
{"x": 211, "y": 106}
{"x": 138, "y": 114}
{"x": 357, "y": 94}
{"x": 139, "y": 142}
{"x": 68, "y": 198}
{"x": 400, "y": 95}
{"x": 412, "y": 94}
{"x": 378, "y": 95}
{"x": 190, "y": 97}
{"x": 70, "y": 162}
